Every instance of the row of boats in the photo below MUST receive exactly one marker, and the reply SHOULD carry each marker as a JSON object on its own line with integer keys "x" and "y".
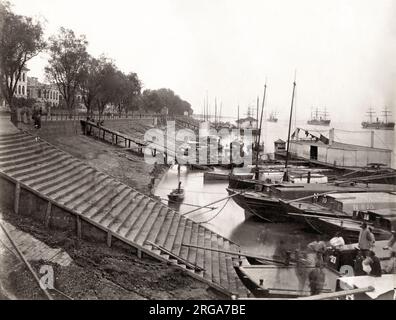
{"x": 326, "y": 205}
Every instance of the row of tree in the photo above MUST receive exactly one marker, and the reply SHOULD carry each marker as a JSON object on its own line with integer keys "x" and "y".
{"x": 75, "y": 72}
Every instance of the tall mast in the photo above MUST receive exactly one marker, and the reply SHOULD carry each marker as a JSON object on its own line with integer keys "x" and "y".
{"x": 215, "y": 119}
{"x": 370, "y": 114}
{"x": 386, "y": 112}
{"x": 259, "y": 134}
{"x": 238, "y": 117}
{"x": 286, "y": 176}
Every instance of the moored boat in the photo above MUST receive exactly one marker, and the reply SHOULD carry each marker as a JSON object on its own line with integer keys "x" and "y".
{"x": 345, "y": 213}
{"x": 270, "y": 281}
{"x": 266, "y": 200}
{"x": 177, "y": 195}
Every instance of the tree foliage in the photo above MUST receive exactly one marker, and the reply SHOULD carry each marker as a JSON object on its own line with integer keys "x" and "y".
{"x": 155, "y": 100}
{"x": 68, "y": 58}
{"x": 21, "y": 39}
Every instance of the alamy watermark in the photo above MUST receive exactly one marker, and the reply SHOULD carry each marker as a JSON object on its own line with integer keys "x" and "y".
{"x": 211, "y": 146}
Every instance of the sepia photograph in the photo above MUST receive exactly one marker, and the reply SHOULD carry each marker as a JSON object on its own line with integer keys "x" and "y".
{"x": 197, "y": 156}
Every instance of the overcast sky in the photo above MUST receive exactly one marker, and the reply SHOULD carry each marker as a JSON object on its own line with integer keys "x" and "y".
{"x": 343, "y": 50}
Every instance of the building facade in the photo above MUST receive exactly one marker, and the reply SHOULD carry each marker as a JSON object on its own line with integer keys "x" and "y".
{"x": 47, "y": 96}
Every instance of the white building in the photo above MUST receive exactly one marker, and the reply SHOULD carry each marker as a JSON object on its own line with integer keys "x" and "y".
{"x": 318, "y": 148}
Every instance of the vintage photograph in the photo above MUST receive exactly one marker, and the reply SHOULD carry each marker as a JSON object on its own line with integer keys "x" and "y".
{"x": 172, "y": 150}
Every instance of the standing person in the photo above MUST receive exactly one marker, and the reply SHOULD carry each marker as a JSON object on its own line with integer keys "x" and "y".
{"x": 366, "y": 240}
{"x": 375, "y": 265}
{"x": 317, "y": 279}
{"x": 358, "y": 265}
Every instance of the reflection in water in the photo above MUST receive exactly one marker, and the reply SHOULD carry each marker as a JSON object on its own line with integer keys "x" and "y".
{"x": 228, "y": 219}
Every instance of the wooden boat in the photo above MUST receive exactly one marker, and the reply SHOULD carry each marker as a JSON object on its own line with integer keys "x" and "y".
{"x": 216, "y": 175}
{"x": 177, "y": 195}
{"x": 269, "y": 281}
{"x": 266, "y": 201}
{"x": 318, "y": 120}
{"x": 384, "y": 125}
{"x": 345, "y": 212}
{"x": 384, "y": 287}
{"x": 338, "y": 258}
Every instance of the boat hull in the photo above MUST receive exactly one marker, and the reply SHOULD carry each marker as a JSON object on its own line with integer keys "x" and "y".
{"x": 267, "y": 209}
{"x": 319, "y": 122}
{"x": 349, "y": 229}
{"x": 378, "y": 125}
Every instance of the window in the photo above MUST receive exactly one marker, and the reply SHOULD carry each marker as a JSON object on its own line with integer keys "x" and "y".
{"x": 39, "y": 93}
{"x": 23, "y": 77}
{"x": 19, "y": 89}
{"x": 23, "y": 90}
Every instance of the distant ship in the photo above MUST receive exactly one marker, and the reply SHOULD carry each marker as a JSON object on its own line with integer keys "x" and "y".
{"x": 319, "y": 118}
{"x": 384, "y": 125}
{"x": 273, "y": 117}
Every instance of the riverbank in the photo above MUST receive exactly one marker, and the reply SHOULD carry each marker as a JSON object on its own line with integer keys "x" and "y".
{"x": 99, "y": 272}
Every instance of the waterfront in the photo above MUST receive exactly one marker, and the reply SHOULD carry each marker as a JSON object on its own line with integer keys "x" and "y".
{"x": 228, "y": 219}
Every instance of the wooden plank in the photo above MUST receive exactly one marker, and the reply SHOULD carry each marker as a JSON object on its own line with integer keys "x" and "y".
{"x": 208, "y": 256}
{"x": 201, "y": 243}
{"x": 176, "y": 245}
{"x": 222, "y": 264}
{"x": 141, "y": 235}
{"x": 102, "y": 214}
{"x": 183, "y": 250}
{"x": 215, "y": 259}
{"x": 133, "y": 216}
{"x": 187, "y": 263}
{"x": 192, "y": 252}
{"x": 125, "y": 212}
{"x": 158, "y": 224}
{"x": 141, "y": 219}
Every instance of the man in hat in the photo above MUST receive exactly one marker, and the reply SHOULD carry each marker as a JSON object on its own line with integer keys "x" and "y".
{"x": 366, "y": 239}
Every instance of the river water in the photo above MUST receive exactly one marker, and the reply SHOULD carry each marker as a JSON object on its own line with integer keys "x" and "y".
{"x": 229, "y": 219}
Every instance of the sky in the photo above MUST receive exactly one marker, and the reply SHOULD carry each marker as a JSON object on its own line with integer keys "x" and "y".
{"x": 342, "y": 51}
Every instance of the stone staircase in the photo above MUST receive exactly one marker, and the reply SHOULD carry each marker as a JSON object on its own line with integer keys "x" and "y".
{"x": 117, "y": 209}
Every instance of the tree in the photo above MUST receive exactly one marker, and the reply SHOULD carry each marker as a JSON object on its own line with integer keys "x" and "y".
{"x": 108, "y": 85}
{"x": 21, "y": 39}
{"x": 155, "y": 100}
{"x": 127, "y": 91}
{"x": 90, "y": 84}
{"x": 68, "y": 58}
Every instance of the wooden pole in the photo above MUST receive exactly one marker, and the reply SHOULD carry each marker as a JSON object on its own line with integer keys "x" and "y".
{"x": 22, "y": 257}
{"x": 234, "y": 253}
{"x": 338, "y": 294}
{"x": 286, "y": 176}
{"x": 259, "y": 133}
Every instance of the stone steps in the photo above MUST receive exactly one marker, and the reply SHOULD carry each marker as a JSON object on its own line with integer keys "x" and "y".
{"x": 118, "y": 209}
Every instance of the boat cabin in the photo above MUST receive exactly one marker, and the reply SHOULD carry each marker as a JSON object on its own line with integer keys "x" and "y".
{"x": 352, "y": 203}
{"x": 320, "y": 149}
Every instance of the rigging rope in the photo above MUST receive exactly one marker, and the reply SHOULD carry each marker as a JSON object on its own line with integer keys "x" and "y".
{"x": 217, "y": 214}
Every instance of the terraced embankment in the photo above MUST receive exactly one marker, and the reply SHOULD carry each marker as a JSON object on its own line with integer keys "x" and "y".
{"x": 61, "y": 191}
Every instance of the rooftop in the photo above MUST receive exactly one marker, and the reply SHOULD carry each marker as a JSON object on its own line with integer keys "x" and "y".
{"x": 338, "y": 145}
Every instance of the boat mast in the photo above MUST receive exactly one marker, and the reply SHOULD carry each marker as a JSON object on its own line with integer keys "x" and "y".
{"x": 370, "y": 114}
{"x": 286, "y": 176}
{"x": 386, "y": 112}
{"x": 238, "y": 117}
{"x": 215, "y": 119}
{"x": 259, "y": 134}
